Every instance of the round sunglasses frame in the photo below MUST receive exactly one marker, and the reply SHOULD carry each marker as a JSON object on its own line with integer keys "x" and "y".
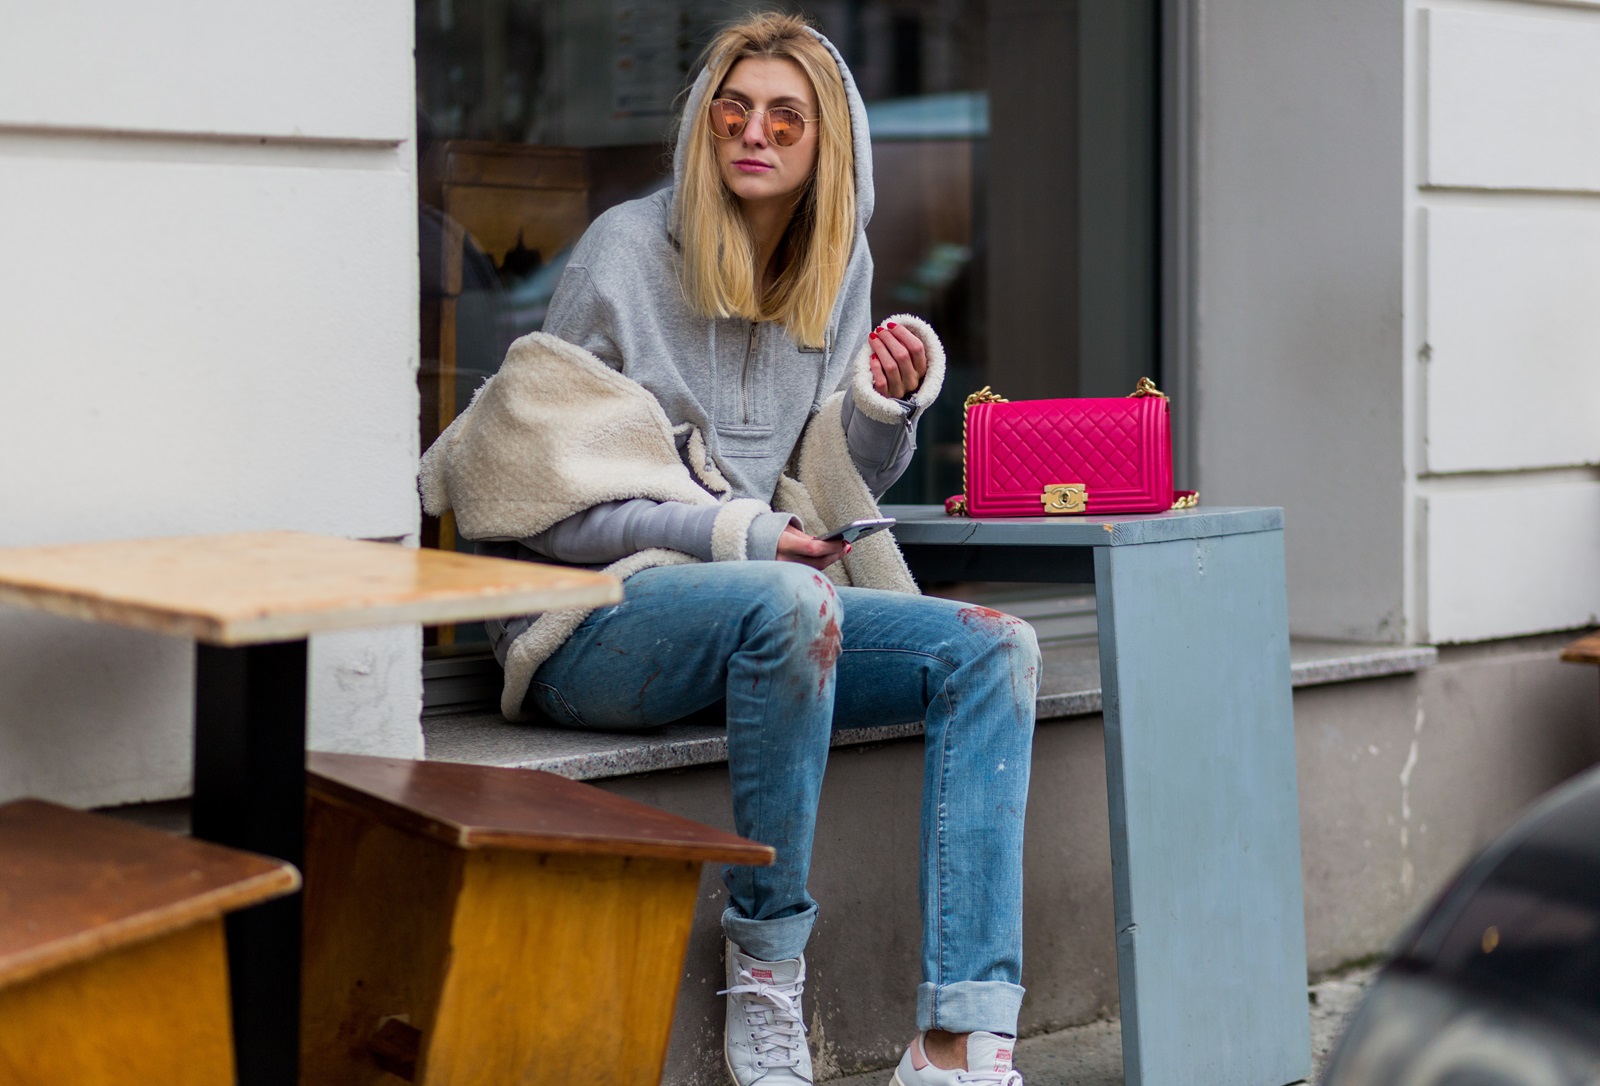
{"x": 766, "y": 121}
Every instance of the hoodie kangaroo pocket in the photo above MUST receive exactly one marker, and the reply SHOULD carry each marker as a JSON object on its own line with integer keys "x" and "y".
{"x": 746, "y": 442}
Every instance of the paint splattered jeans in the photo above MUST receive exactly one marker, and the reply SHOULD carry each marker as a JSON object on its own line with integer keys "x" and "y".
{"x": 794, "y": 658}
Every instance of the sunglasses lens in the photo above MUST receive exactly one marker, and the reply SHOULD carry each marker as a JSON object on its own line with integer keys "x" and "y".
{"x": 785, "y": 126}
{"x": 727, "y": 118}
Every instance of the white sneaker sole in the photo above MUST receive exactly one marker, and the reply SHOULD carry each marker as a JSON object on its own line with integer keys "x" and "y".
{"x": 733, "y": 1078}
{"x": 896, "y": 1081}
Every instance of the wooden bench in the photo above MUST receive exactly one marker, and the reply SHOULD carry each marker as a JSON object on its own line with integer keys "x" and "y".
{"x": 112, "y": 963}
{"x": 471, "y": 924}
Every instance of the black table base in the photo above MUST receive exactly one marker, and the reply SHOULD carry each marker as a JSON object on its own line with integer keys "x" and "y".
{"x": 249, "y": 793}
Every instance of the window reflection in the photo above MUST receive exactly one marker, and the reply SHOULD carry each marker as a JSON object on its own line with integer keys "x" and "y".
{"x": 1031, "y": 249}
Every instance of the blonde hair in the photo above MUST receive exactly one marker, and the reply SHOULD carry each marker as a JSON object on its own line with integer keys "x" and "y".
{"x": 720, "y": 278}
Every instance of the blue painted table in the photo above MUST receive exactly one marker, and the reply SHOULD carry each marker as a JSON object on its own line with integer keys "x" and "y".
{"x": 1200, "y": 768}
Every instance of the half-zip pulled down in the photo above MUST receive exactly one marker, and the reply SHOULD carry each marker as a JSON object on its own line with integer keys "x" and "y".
{"x": 744, "y": 374}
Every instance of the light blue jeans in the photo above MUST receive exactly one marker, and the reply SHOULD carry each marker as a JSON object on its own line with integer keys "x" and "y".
{"x": 794, "y": 658}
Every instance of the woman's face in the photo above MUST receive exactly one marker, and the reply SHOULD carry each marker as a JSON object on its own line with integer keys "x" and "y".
{"x": 755, "y": 169}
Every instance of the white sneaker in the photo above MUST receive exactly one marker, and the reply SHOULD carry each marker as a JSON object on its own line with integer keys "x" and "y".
{"x": 988, "y": 1054}
{"x": 765, "y": 1038}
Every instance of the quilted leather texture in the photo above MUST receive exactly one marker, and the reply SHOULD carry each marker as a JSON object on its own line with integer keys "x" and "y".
{"x": 1121, "y": 449}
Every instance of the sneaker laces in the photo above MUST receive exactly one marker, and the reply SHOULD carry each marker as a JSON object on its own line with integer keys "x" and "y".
{"x": 779, "y": 1028}
{"x": 990, "y": 1078}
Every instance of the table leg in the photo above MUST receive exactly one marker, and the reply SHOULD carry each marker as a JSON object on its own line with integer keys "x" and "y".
{"x": 249, "y": 793}
{"x": 1205, "y": 838}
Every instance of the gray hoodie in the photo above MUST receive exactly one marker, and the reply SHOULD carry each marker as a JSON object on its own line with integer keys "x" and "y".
{"x": 745, "y": 385}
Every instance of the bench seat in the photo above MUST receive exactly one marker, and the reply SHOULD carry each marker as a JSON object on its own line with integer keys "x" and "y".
{"x": 1070, "y": 688}
{"x": 477, "y": 924}
{"x": 112, "y": 965}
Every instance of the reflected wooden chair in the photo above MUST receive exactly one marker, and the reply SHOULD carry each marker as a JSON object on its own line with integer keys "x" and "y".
{"x": 506, "y": 198}
{"x": 112, "y": 961}
{"x": 476, "y": 925}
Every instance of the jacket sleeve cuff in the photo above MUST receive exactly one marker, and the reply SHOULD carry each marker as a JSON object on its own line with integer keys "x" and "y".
{"x": 762, "y": 544}
{"x": 730, "y": 535}
{"x": 880, "y": 407}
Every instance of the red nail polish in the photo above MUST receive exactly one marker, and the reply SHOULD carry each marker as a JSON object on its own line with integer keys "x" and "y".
{"x": 847, "y": 548}
{"x": 891, "y": 324}
{"x": 872, "y": 335}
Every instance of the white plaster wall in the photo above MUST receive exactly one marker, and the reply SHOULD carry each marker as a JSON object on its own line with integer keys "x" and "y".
{"x": 1491, "y": 547}
{"x": 1512, "y": 335}
{"x": 203, "y": 333}
{"x": 207, "y": 347}
{"x": 1299, "y": 249}
{"x": 1505, "y": 329}
{"x": 1513, "y": 98}
{"x": 1398, "y": 211}
{"x": 290, "y": 68}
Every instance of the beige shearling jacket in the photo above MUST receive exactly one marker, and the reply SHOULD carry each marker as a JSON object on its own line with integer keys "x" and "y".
{"x": 556, "y": 431}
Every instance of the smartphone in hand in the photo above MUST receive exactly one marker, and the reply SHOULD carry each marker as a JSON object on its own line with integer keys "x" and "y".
{"x": 858, "y": 529}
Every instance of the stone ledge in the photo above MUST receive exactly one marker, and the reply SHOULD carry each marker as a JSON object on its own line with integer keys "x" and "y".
{"x": 1071, "y": 688}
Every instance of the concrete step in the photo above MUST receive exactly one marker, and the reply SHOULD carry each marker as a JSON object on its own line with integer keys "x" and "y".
{"x": 863, "y": 955}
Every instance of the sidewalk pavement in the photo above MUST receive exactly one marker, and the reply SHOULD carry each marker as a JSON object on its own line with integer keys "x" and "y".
{"x": 1092, "y": 1055}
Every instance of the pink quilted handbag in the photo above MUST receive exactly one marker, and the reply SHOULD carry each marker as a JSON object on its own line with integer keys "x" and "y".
{"x": 1054, "y": 457}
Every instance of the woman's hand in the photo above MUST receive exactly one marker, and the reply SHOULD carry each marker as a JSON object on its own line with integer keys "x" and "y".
{"x": 796, "y": 546}
{"x": 898, "y": 361}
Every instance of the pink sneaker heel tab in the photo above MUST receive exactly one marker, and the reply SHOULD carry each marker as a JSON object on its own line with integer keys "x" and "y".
{"x": 918, "y": 1059}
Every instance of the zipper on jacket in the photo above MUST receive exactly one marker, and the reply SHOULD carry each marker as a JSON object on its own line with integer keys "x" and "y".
{"x": 900, "y": 440}
{"x": 744, "y": 374}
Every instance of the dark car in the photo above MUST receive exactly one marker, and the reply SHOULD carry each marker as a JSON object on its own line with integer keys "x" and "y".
{"x": 1499, "y": 983}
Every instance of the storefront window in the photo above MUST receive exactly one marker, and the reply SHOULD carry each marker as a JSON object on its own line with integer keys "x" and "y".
{"x": 1014, "y": 146}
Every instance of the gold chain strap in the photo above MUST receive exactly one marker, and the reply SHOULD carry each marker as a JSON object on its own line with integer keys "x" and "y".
{"x": 1147, "y": 387}
{"x": 983, "y": 395}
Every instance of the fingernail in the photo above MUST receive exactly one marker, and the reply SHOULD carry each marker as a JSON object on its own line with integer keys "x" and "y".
{"x": 847, "y": 548}
{"x": 891, "y": 324}
{"x": 872, "y": 335}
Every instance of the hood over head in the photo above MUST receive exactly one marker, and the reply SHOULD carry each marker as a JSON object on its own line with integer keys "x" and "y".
{"x": 860, "y": 139}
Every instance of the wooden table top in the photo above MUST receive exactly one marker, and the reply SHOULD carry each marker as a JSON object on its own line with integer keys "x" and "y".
{"x": 279, "y": 586}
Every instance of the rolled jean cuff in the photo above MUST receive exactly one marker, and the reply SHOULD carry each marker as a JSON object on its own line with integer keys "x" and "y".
{"x": 770, "y": 940}
{"x": 969, "y": 1005}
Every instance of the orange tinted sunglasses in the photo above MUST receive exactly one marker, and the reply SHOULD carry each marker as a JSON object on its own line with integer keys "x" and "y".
{"x": 784, "y": 126}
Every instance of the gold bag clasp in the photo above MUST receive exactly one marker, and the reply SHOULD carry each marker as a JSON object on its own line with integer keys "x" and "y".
{"x": 1065, "y": 498}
